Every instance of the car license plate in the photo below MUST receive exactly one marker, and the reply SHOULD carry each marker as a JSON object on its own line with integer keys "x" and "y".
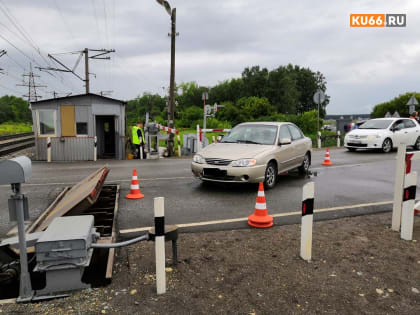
{"x": 356, "y": 141}
{"x": 214, "y": 172}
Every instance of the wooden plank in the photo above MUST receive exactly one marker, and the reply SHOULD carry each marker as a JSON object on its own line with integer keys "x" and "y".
{"x": 35, "y": 224}
{"x": 7, "y": 301}
{"x": 81, "y": 191}
{"x": 111, "y": 253}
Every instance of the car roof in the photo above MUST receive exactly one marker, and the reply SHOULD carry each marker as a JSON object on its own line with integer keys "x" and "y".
{"x": 390, "y": 118}
{"x": 269, "y": 123}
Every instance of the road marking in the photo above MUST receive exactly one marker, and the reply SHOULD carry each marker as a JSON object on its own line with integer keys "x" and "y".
{"x": 346, "y": 165}
{"x": 108, "y": 182}
{"x": 286, "y": 214}
{"x": 182, "y": 177}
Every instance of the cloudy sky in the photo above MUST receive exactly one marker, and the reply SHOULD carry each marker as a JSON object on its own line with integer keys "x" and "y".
{"x": 217, "y": 40}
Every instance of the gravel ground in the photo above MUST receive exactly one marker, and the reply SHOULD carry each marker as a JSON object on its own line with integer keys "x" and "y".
{"x": 29, "y": 152}
{"x": 359, "y": 266}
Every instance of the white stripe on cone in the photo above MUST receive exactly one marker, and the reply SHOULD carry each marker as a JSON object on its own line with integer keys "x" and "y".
{"x": 261, "y": 206}
{"x": 260, "y": 194}
{"x": 134, "y": 187}
{"x": 134, "y": 177}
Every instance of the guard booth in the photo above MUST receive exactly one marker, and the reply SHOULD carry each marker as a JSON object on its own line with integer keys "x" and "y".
{"x": 73, "y": 122}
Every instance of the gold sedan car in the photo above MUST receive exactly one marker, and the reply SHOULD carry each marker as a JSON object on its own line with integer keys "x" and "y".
{"x": 254, "y": 152}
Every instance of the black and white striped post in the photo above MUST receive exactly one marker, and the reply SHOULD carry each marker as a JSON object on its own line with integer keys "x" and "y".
{"x": 48, "y": 149}
{"x": 407, "y": 213}
{"x": 319, "y": 139}
{"x": 307, "y": 221}
{"x": 338, "y": 138}
{"x": 160, "y": 244}
{"x": 198, "y": 138}
{"x": 179, "y": 145}
{"x": 95, "y": 148}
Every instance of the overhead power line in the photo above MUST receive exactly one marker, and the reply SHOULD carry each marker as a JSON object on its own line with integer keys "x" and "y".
{"x": 32, "y": 95}
{"x": 12, "y": 90}
{"x": 26, "y": 38}
{"x": 99, "y": 54}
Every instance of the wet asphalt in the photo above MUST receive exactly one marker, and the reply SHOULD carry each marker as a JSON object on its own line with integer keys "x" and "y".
{"x": 355, "y": 178}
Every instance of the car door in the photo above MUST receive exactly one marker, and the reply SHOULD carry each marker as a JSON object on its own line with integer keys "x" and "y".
{"x": 399, "y": 133}
{"x": 411, "y": 131}
{"x": 298, "y": 142}
{"x": 285, "y": 153}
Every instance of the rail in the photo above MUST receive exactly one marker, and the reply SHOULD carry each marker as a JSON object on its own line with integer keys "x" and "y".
{"x": 16, "y": 142}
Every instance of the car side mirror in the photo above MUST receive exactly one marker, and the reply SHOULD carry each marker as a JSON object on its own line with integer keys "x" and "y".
{"x": 284, "y": 141}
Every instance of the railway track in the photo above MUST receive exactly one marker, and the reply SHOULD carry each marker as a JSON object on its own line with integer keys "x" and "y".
{"x": 13, "y": 143}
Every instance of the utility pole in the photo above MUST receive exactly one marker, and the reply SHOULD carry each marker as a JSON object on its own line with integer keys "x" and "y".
{"x": 32, "y": 94}
{"x": 85, "y": 52}
{"x": 172, "y": 84}
{"x": 2, "y": 52}
{"x": 171, "y": 105}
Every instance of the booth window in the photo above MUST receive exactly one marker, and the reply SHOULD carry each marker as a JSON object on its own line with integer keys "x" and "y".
{"x": 82, "y": 115}
{"x": 46, "y": 121}
{"x": 82, "y": 128}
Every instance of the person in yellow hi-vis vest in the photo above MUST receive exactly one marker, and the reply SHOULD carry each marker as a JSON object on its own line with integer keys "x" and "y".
{"x": 138, "y": 140}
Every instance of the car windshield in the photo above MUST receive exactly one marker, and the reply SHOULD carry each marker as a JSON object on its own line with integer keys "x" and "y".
{"x": 254, "y": 134}
{"x": 376, "y": 124}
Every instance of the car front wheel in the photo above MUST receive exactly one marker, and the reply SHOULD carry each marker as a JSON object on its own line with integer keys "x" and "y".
{"x": 304, "y": 168}
{"x": 387, "y": 145}
{"x": 270, "y": 175}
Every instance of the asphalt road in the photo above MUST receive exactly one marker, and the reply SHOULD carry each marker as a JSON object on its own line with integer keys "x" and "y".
{"x": 355, "y": 178}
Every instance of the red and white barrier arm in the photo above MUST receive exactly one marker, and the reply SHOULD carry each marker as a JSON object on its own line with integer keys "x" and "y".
{"x": 215, "y": 130}
{"x": 167, "y": 129}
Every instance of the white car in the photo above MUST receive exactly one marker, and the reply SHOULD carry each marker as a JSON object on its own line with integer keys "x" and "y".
{"x": 384, "y": 134}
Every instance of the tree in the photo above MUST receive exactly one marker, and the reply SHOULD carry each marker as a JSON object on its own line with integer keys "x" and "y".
{"x": 258, "y": 94}
{"x": 281, "y": 90}
{"x": 255, "y": 81}
{"x": 14, "y": 108}
{"x": 136, "y": 109}
{"x": 231, "y": 113}
{"x": 398, "y": 104}
{"x": 254, "y": 107}
{"x": 190, "y": 95}
{"x": 190, "y": 117}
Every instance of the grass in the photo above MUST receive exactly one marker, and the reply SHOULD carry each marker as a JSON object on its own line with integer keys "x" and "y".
{"x": 8, "y": 128}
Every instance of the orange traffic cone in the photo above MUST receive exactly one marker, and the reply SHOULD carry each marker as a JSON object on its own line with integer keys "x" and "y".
{"x": 260, "y": 217}
{"x": 134, "y": 188}
{"x": 327, "y": 160}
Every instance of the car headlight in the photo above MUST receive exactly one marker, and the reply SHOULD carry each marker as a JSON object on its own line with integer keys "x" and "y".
{"x": 373, "y": 137}
{"x": 244, "y": 162}
{"x": 198, "y": 159}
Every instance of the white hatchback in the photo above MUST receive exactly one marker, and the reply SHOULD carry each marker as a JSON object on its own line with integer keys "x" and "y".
{"x": 384, "y": 134}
